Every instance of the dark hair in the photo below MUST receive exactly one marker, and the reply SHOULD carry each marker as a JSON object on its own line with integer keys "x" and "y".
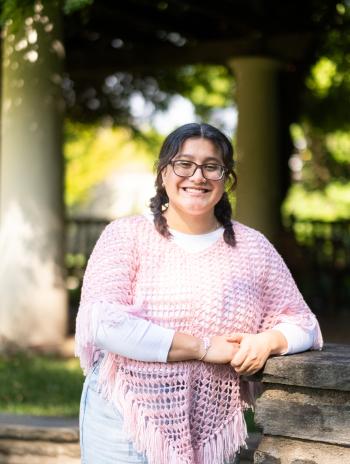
{"x": 171, "y": 146}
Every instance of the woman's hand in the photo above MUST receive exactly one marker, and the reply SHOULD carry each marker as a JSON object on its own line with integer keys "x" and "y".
{"x": 254, "y": 349}
{"x": 221, "y": 351}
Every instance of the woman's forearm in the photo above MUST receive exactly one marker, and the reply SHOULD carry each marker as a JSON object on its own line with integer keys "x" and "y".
{"x": 216, "y": 350}
{"x": 122, "y": 333}
{"x": 185, "y": 348}
{"x": 136, "y": 338}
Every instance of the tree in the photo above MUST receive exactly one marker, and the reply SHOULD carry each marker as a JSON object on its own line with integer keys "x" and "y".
{"x": 323, "y": 135}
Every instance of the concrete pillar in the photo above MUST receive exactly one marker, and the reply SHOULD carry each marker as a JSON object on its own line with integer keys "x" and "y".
{"x": 258, "y": 154}
{"x": 33, "y": 309}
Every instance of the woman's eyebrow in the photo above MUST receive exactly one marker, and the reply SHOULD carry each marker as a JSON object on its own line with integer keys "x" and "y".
{"x": 208, "y": 158}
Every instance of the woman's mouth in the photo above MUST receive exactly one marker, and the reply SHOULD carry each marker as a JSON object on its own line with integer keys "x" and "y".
{"x": 195, "y": 190}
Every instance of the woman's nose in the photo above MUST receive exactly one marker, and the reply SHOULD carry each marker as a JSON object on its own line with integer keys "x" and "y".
{"x": 198, "y": 174}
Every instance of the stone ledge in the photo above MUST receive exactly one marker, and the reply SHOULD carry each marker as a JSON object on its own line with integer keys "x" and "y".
{"x": 327, "y": 369}
{"x": 281, "y": 450}
{"x": 52, "y": 429}
{"x": 38, "y": 440}
{"x": 304, "y": 409}
{"x": 38, "y": 448}
{"x": 16, "y": 459}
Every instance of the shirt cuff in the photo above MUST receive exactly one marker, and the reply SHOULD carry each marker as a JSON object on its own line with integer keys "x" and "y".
{"x": 298, "y": 339}
{"x": 164, "y": 338}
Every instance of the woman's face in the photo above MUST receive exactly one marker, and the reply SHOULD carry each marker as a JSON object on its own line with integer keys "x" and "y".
{"x": 194, "y": 195}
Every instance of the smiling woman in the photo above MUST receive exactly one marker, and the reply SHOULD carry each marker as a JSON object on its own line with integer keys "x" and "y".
{"x": 192, "y": 196}
{"x": 195, "y": 165}
{"x": 176, "y": 306}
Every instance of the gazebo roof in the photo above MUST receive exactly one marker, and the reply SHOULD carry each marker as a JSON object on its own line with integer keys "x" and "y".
{"x": 142, "y": 43}
{"x": 111, "y": 36}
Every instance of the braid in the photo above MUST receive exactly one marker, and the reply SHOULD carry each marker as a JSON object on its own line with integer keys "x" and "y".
{"x": 157, "y": 204}
{"x": 223, "y": 213}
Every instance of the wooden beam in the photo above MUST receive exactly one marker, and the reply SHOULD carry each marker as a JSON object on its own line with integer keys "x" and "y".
{"x": 98, "y": 62}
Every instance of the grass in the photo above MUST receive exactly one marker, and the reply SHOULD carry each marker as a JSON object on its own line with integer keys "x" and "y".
{"x": 40, "y": 385}
{"x": 249, "y": 418}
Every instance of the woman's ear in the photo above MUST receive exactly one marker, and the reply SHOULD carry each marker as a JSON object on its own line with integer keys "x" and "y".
{"x": 164, "y": 174}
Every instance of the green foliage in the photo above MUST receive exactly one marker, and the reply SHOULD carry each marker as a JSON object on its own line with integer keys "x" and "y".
{"x": 70, "y": 6}
{"x": 207, "y": 87}
{"x": 18, "y": 10}
{"x": 40, "y": 385}
{"x": 93, "y": 152}
{"x": 249, "y": 418}
{"x": 323, "y": 75}
{"x": 15, "y": 11}
{"x": 323, "y": 192}
{"x": 329, "y": 204}
{"x": 327, "y": 91}
{"x": 338, "y": 145}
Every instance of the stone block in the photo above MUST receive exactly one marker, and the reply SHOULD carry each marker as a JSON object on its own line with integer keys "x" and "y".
{"x": 306, "y": 413}
{"x": 281, "y": 450}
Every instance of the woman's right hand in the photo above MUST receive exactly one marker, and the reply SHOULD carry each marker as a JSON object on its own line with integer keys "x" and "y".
{"x": 221, "y": 351}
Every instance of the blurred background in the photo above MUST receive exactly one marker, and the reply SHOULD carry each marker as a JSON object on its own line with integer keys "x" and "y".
{"x": 131, "y": 79}
{"x": 91, "y": 88}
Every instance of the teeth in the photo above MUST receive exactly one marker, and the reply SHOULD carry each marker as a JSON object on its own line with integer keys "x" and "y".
{"x": 194, "y": 190}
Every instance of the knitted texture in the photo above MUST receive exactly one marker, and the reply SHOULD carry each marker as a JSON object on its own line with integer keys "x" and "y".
{"x": 184, "y": 412}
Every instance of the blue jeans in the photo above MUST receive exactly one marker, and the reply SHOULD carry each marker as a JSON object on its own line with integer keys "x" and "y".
{"x": 102, "y": 440}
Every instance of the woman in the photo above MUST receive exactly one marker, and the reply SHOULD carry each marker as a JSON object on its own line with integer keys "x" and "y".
{"x": 176, "y": 307}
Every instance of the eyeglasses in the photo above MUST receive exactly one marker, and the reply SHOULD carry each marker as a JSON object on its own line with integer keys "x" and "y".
{"x": 210, "y": 171}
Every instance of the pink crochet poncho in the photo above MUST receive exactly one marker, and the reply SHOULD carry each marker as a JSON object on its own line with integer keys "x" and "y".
{"x": 184, "y": 412}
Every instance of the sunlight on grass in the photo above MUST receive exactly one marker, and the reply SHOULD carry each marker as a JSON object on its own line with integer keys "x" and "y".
{"x": 40, "y": 385}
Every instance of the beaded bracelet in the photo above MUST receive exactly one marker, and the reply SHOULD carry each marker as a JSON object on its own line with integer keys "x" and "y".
{"x": 206, "y": 346}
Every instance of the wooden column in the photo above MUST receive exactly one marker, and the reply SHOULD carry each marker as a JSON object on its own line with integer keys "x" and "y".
{"x": 32, "y": 292}
{"x": 304, "y": 410}
{"x": 258, "y": 154}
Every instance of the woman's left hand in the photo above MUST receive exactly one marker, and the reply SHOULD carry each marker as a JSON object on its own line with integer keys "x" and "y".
{"x": 254, "y": 350}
